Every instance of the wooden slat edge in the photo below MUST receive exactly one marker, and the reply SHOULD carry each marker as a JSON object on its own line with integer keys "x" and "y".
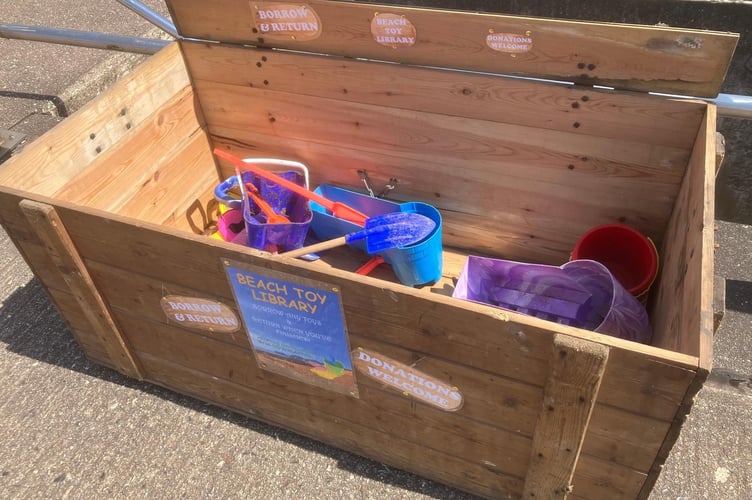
{"x": 50, "y": 229}
{"x": 707, "y": 318}
{"x": 570, "y": 393}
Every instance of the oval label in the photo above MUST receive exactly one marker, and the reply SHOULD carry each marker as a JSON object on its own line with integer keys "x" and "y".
{"x": 392, "y": 30}
{"x": 286, "y": 21}
{"x": 200, "y": 314}
{"x": 409, "y": 381}
{"x": 510, "y": 43}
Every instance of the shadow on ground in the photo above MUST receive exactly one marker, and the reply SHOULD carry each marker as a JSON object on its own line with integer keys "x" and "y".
{"x": 30, "y": 326}
{"x": 738, "y": 295}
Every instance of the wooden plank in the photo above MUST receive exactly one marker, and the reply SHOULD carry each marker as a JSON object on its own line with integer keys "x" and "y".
{"x": 577, "y": 368}
{"x": 639, "y": 378}
{"x": 431, "y": 135}
{"x": 703, "y": 200}
{"x": 38, "y": 258}
{"x": 720, "y": 151}
{"x": 408, "y": 424}
{"x": 622, "y": 437}
{"x": 468, "y": 438}
{"x": 614, "y": 435}
{"x": 51, "y": 230}
{"x": 688, "y": 270}
{"x": 506, "y": 222}
{"x": 719, "y": 301}
{"x": 141, "y": 295}
{"x": 53, "y": 159}
{"x": 598, "y": 480}
{"x": 648, "y": 380}
{"x": 135, "y": 165}
{"x": 80, "y": 327}
{"x": 28, "y": 243}
{"x": 682, "y": 303}
{"x": 618, "y": 115}
{"x": 362, "y": 440}
{"x": 512, "y": 408}
{"x": 517, "y": 178}
{"x": 647, "y": 58}
{"x": 175, "y": 184}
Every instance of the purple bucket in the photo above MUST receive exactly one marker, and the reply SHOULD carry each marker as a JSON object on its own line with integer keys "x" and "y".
{"x": 581, "y": 293}
{"x": 277, "y": 237}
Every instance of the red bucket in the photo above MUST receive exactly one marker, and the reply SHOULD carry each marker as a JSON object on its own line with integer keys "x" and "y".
{"x": 630, "y": 256}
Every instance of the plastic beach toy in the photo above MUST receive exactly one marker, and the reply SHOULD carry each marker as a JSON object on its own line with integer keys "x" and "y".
{"x": 276, "y": 237}
{"x": 630, "y": 256}
{"x": 414, "y": 265}
{"x": 382, "y": 232}
{"x": 259, "y": 232}
{"x": 580, "y": 293}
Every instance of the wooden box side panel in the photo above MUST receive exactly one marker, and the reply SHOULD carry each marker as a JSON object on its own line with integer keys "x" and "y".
{"x": 123, "y": 152}
{"x": 506, "y": 162}
{"x": 687, "y": 279}
{"x": 154, "y": 172}
{"x": 50, "y": 162}
{"x": 646, "y": 58}
{"x": 499, "y": 362}
{"x": 37, "y": 257}
{"x": 682, "y": 302}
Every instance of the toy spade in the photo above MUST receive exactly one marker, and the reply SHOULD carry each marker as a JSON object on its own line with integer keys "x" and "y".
{"x": 338, "y": 209}
{"x": 389, "y": 230}
{"x": 272, "y": 217}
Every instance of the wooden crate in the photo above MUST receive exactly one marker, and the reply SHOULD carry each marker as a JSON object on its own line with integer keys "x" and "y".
{"x": 108, "y": 210}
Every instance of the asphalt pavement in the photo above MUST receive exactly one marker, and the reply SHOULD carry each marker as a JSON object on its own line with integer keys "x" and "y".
{"x": 73, "y": 429}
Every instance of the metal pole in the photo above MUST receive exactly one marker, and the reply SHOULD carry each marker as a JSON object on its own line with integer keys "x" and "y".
{"x": 82, "y": 38}
{"x": 729, "y": 105}
{"x": 153, "y": 17}
{"x": 734, "y": 106}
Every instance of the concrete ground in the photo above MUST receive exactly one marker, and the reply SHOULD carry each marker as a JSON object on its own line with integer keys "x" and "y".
{"x": 72, "y": 429}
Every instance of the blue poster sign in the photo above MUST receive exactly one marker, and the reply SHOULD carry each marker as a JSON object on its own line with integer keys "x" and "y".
{"x": 296, "y": 326}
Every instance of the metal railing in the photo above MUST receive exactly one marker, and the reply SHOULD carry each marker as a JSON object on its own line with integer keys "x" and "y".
{"x": 97, "y": 40}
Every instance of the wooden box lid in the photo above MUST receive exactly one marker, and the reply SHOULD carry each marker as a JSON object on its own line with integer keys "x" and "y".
{"x": 628, "y": 57}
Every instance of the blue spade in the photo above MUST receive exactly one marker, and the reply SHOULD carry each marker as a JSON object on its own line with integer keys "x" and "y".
{"x": 382, "y": 232}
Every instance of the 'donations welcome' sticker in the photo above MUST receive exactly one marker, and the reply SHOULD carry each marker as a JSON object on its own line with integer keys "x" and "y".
{"x": 284, "y": 21}
{"x": 406, "y": 379}
{"x": 511, "y": 43}
{"x": 296, "y": 326}
{"x": 392, "y": 30}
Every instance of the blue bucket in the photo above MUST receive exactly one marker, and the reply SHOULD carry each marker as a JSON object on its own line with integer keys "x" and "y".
{"x": 418, "y": 264}
{"x": 421, "y": 263}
